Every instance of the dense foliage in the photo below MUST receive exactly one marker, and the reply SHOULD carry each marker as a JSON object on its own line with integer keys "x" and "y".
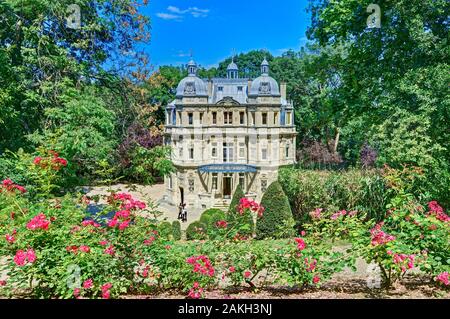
{"x": 364, "y": 190}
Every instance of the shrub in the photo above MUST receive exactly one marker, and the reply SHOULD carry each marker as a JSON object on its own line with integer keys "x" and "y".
{"x": 211, "y": 216}
{"x": 176, "y": 230}
{"x": 165, "y": 230}
{"x": 277, "y": 218}
{"x": 196, "y": 230}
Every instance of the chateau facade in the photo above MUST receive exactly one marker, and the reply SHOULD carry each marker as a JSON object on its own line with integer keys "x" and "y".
{"x": 226, "y": 132}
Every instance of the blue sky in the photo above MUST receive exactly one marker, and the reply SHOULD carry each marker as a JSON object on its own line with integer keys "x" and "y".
{"x": 212, "y": 29}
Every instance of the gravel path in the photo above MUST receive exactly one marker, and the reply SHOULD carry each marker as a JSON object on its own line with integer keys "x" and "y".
{"x": 154, "y": 193}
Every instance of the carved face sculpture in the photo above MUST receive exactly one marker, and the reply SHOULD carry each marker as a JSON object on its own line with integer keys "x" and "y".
{"x": 264, "y": 88}
{"x": 189, "y": 88}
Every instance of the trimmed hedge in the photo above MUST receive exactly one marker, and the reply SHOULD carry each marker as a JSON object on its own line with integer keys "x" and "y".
{"x": 165, "y": 230}
{"x": 176, "y": 230}
{"x": 277, "y": 220}
{"x": 196, "y": 230}
{"x": 211, "y": 216}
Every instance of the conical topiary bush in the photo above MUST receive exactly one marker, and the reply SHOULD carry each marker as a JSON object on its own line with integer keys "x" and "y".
{"x": 277, "y": 220}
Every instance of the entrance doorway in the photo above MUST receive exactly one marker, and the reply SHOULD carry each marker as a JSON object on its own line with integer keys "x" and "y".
{"x": 182, "y": 195}
{"x": 227, "y": 186}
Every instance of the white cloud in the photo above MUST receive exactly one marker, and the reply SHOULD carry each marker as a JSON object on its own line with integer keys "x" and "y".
{"x": 178, "y": 14}
{"x": 168, "y": 16}
{"x": 182, "y": 54}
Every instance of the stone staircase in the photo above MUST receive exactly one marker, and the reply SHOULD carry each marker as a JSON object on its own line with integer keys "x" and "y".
{"x": 222, "y": 204}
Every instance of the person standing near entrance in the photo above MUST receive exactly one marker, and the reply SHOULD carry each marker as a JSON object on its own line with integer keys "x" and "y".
{"x": 184, "y": 213}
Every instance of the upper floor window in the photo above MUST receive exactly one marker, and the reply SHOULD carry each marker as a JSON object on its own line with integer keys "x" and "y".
{"x": 275, "y": 118}
{"x": 241, "y": 117}
{"x": 228, "y": 117}
{"x": 214, "y": 118}
{"x": 191, "y": 118}
{"x": 214, "y": 150}
{"x": 220, "y": 88}
{"x": 264, "y": 119}
{"x": 174, "y": 117}
{"x": 181, "y": 119}
{"x": 241, "y": 150}
{"x": 288, "y": 118}
{"x": 227, "y": 152}
{"x": 264, "y": 153}
{"x": 240, "y": 88}
{"x": 201, "y": 118}
{"x": 191, "y": 153}
{"x": 287, "y": 150}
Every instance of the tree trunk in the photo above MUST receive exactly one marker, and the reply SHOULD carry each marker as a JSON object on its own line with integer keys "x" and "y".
{"x": 336, "y": 140}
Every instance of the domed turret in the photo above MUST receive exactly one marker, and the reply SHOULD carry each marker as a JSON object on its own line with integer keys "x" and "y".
{"x": 191, "y": 85}
{"x": 232, "y": 70}
{"x": 265, "y": 84}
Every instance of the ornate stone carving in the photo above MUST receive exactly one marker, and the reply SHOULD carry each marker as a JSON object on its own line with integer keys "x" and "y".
{"x": 191, "y": 185}
{"x": 189, "y": 89}
{"x": 263, "y": 185}
{"x": 264, "y": 88}
{"x": 228, "y": 100}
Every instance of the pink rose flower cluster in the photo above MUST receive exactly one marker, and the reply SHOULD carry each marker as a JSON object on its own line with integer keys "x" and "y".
{"x": 338, "y": 214}
{"x": 407, "y": 261}
{"x": 316, "y": 214}
{"x": 10, "y": 238}
{"x": 437, "y": 211}
{"x": 53, "y": 161}
{"x": 121, "y": 219}
{"x": 300, "y": 243}
{"x": 128, "y": 202}
{"x": 24, "y": 257}
{"x": 246, "y": 203}
{"x": 106, "y": 293}
{"x": 9, "y": 186}
{"x": 196, "y": 292}
{"x": 443, "y": 278}
{"x": 202, "y": 265}
{"x": 310, "y": 266}
{"x": 38, "y": 222}
{"x": 379, "y": 237}
{"x": 75, "y": 249}
{"x": 87, "y": 284}
{"x": 152, "y": 238}
{"x": 92, "y": 223}
{"x": 221, "y": 224}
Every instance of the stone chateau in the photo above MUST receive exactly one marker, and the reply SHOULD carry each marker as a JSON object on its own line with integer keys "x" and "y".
{"x": 226, "y": 132}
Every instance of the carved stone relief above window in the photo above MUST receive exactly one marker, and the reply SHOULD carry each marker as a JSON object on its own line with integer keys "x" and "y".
{"x": 189, "y": 88}
{"x": 264, "y": 88}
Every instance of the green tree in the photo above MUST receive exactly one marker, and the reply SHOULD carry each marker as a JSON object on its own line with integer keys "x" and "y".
{"x": 83, "y": 131}
{"x": 277, "y": 220}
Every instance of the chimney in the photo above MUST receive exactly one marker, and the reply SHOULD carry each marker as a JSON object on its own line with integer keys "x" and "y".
{"x": 283, "y": 90}
{"x": 210, "y": 87}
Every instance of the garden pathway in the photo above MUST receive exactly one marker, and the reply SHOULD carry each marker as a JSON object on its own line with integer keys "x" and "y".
{"x": 154, "y": 193}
